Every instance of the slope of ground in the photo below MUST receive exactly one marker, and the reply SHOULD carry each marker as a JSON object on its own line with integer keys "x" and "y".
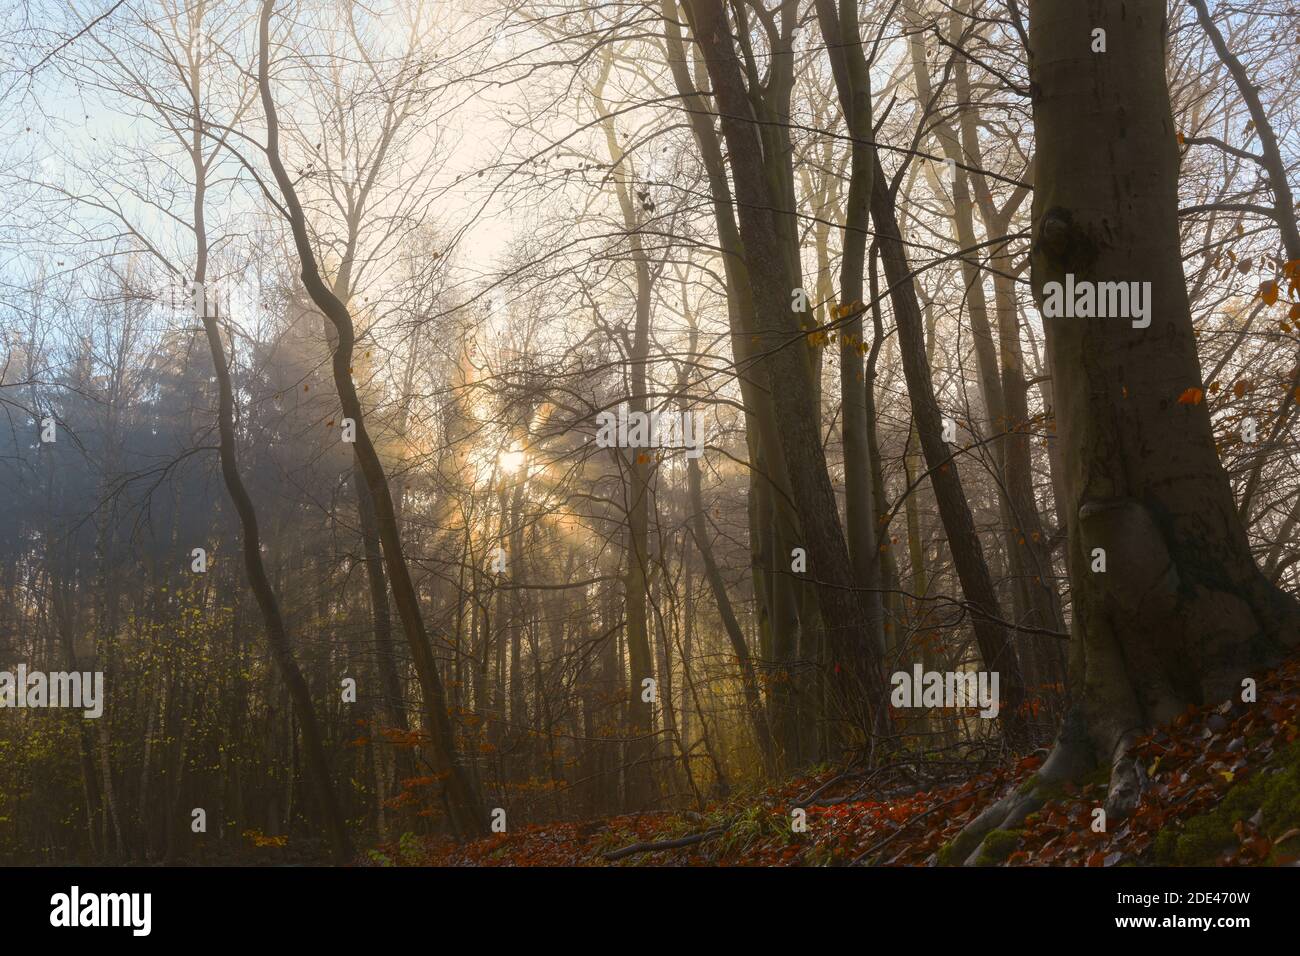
{"x": 1223, "y": 788}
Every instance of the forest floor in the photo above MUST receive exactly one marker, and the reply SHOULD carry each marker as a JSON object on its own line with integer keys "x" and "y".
{"x": 1224, "y": 789}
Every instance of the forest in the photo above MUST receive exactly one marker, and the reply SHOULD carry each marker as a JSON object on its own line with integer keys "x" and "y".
{"x": 650, "y": 433}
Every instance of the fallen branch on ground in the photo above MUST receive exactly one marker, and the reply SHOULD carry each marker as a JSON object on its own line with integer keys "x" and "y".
{"x": 636, "y": 848}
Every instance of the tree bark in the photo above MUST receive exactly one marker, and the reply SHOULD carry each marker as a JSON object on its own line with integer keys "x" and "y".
{"x": 773, "y": 523}
{"x": 277, "y": 637}
{"x": 1181, "y": 614}
{"x": 854, "y": 658}
{"x": 468, "y": 816}
{"x": 996, "y": 649}
{"x": 641, "y": 741}
{"x": 839, "y": 26}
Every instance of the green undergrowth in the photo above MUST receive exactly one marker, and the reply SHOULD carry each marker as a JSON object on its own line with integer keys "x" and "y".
{"x": 957, "y": 850}
{"x": 1270, "y": 795}
{"x": 998, "y": 845}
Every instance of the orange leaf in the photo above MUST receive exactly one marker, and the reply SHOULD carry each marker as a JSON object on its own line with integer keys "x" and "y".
{"x": 1268, "y": 291}
{"x": 1191, "y": 396}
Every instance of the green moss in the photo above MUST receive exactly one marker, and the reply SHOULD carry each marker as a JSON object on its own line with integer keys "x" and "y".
{"x": 1166, "y": 845}
{"x": 998, "y": 845}
{"x": 1272, "y": 791}
{"x": 956, "y": 851}
{"x": 1048, "y": 791}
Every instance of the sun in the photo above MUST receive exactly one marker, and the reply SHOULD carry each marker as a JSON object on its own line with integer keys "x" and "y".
{"x": 511, "y": 461}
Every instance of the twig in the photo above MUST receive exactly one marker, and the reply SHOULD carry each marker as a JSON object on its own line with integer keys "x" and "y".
{"x": 920, "y": 816}
{"x": 636, "y": 848}
{"x": 74, "y": 38}
{"x": 824, "y": 787}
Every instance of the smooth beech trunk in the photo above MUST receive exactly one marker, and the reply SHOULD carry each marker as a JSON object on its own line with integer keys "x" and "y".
{"x": 1181, "y": 614}
{"x": 839, "y": 26}
{"x": 774, "y": 526}
{"x": 854, "y": 658}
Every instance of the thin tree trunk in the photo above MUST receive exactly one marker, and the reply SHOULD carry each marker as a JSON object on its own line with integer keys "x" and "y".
{"x": 853, "y": 81}
{"x": 996, "y": 649}
{"x": 468, "y": 816}
{"x": 638, "y": 463}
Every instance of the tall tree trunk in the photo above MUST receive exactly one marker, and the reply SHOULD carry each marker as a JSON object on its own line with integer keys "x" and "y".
{"x": 773, "y": 522}
{"x": 996, "y": 649}
{"x": 852, "y": 74}
{"x": 854, "y": 657}
{"x": 277, "y": 636}
{"x": 268, "y": 604}
{"x": 468, "y": 816}
{"x": 736, "y": 636}
{"x": 1181, "y": 614}
{"x": 640, "y": 750}
{"x": 1037, "y": 602}
{"x": 392, "y": 711}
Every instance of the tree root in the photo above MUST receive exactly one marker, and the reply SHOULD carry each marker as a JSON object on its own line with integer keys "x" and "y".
{"x": 1128, "y": 780}
{"x": 1070, "y": 761}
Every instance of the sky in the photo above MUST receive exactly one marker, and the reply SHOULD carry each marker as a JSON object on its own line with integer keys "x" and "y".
{"x": 58, "y": 127}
